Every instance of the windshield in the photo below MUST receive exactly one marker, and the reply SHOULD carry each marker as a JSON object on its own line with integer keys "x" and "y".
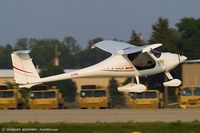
{"x": 197, "y": 91}
{"x": 100, "y": 93}
{"x": 35, "y": 95}
{"x": 143, "y": 95}
{"x": 156, "y": 53}
{"x": 50, "y": 94}
{"x": 86, "y": 93}
{"x": 136, "y": 95}
{"x": 3, "y": 87}
{"x": 6, "y": 94}
{"x": 150, "y": 95}
{"x": 38, "y": 95}
{"x": 186, "y": 92}
{"x": 93, "y": 93}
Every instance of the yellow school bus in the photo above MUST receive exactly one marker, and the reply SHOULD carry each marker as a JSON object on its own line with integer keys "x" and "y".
{"x": 92, "y": 97}
{"x": 189, "y": 97}
{"x": 146, "y": 99}
{"x": 10, "y": 98}
{"x": 41, "y": 97}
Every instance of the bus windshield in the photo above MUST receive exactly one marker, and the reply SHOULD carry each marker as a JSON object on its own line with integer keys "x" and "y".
{"x": 100, "y": 93}
{"x": 197, "y": 91}
{"x": 50, "y": 94}
{"x": 136, "y": 95}
{"x": 93, "y": 93}
{"x": 186, "y": 92}
{"x": 39, "y": 95}
{"x": 150, "y": 95}
{"x": 3, "y": 87}
{"x": 86, "y": 93}
{"x": 6, "y": 94}
{"x": 36, "y": 95}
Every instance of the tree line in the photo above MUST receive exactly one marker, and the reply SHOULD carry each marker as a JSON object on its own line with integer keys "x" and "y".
{"x": 184, "y": 38}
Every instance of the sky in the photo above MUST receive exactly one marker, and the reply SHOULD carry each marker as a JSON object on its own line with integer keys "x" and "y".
{"x": 87, "y": 19}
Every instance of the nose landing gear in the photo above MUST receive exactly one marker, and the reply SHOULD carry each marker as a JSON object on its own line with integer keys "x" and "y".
{"x": 172, "y": 82}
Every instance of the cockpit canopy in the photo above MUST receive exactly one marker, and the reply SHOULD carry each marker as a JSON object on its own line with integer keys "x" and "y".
{"x": 143, "y": 61}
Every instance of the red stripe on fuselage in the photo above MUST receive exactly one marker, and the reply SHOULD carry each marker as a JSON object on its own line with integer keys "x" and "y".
{"x": 21, "y": 70}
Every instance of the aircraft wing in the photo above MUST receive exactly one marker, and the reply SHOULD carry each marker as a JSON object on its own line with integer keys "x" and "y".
{"x": 112, "y": 46}
{"x": 122, "y": 48}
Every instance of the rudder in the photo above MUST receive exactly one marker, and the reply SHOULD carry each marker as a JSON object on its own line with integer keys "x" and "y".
{"x": 24, "y": 70}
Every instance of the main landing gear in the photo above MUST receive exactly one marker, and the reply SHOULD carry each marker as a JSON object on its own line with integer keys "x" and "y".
{"x": 137, "y": 87}
{"x": 133, "y": 87}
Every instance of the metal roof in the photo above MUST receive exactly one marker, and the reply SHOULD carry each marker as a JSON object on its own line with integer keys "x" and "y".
{"x": 192, "y": 61}
{"x": 6, "y": 73}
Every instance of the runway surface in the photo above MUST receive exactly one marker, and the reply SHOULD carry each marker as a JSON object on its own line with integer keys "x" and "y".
{"x": 107, "y": 115}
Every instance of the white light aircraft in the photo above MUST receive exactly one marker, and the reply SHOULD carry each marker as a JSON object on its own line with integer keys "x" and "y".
{"x": 126, "y": 61}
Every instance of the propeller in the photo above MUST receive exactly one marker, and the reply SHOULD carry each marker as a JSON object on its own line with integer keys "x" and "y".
{"x": 179, "y": 60}
{"x": 180, "y": 53}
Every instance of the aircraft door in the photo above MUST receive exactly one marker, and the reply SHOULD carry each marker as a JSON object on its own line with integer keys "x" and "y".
{"x": 142, "y": 61}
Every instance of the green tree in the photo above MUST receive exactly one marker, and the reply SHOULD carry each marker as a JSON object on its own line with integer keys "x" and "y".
{"x": 72, "y": 45}
{"x": 66, "y": 87}
{"x": 22, "y": 44}
{"x": 136, "y": 39}
{"x": 189, "y": 39}
{"x": 94, "y": 41}
{"x": 5, "y": 59}
{"x": 90, "y": 56}
{"x": 116, "y": 98}
{"x": 67, "y": 60}
{"x": 68, "y": 53}
{"x": 165, "y": 35}
{"x": 43, "y": 51}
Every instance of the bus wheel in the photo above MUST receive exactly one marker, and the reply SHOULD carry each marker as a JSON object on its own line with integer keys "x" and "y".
{"x": 160, "y": 105}
{"x": 60, "y": 106}
{"x": 102, "y": 108}
{"x": 19, "y": 106}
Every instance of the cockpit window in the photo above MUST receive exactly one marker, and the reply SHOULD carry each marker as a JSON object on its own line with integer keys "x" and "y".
{"x": 156, "y": 53}
{"x": 142, "y": 61}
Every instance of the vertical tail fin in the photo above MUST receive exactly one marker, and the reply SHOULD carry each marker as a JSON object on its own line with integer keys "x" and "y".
{"x": 24, "y": 70}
